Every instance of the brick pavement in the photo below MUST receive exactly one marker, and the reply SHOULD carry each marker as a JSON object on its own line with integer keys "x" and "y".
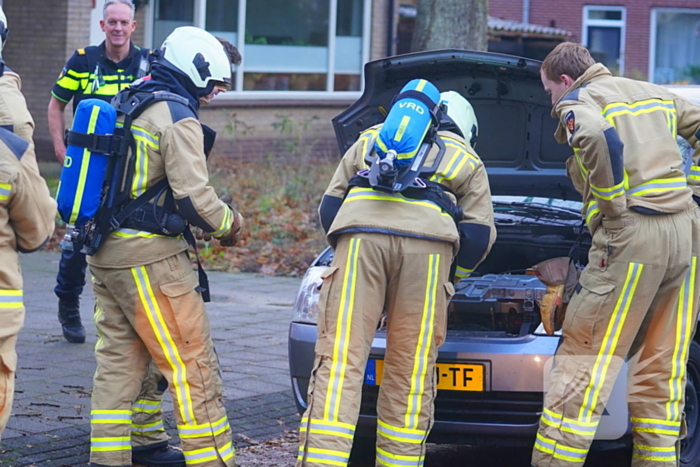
{"x": 249, "y": 315}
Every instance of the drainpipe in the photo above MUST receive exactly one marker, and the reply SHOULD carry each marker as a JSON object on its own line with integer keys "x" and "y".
{"x": 390, "y": 34}
{"x": 526, "y": 11}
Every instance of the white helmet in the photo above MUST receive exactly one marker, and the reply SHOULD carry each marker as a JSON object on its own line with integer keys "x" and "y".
{"x": 462, "y": 113}
{"x": 3, "y": 28}
{"x": 198, "y": 55}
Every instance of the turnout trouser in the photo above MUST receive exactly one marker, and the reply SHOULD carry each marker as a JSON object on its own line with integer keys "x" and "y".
{"x": 147, "y": 430}
{"x": 11, "y": 322}
{"x": 155, "y": 311}
{"x": 637, "y": 299}
{"x": 370, "y": 273}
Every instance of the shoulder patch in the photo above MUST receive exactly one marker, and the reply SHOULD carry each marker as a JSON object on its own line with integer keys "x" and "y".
{"x": 13, "y": 142}
{"x": 81, "y": 51}
{"x": 180, "y": 112}
{"x": 570, "y": 122}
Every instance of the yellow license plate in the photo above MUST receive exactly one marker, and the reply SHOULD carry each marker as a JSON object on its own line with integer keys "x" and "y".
{"x": 450, "y": 376}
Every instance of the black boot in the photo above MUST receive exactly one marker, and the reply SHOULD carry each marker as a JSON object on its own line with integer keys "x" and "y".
{"x": 69, "y": 317}
{"x": 158, "y": 456}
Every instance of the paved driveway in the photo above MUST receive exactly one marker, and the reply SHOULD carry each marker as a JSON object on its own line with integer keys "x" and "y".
{"x": 50, "y": 424}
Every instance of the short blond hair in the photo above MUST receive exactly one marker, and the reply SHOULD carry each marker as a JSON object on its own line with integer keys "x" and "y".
{"x": 568, "y": 58}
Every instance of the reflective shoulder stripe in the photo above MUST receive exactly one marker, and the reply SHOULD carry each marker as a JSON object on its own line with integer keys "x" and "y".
{"x": 81, "y": 51}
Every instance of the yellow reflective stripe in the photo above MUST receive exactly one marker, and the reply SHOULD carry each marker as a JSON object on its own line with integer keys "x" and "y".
{"x": 423, "y": 346}
{"x": 694, "y": 173}
{"x": 579, "y": 161}
{"x": 357, "y": 193}
{"x": 84, "y": 165}
{"x": 612, "y": 335}
{"x": 227, "y": 451}
{"x": 118, "y": 443}
{"x": 402, "y": 128}
{"x": 146, "y": 406}
{"x": 342, "y": 336}
{"x": 421, "y": 84}
{"x": 403, "y": 435}
{"x": 11, "y": 298}
{"x": 145, "y": 135}
{"x": 460, "y": 157}
{"x": 68, "y": 83}
{"x": 684, "y": 330}
{"x": 170, "y": 350}
{"x": 591, "y": 211}
{"x": 5, "y": 191}
{"x": 130, "y": 233}
{"x": 110, "y": 416}
{"x": 226, "y": 223}
{"x": 96, "y": 317}
{"x": 551, "y": 418}
{"x": 103, "y": 90}
{"x": 411, "y": 155}
{"x": 138, "y": 186}
{"x": 463, "y": 272}
{"x": 395, "y": 460}
{"x": 366, "y": 137}
{"x": 608, "y": 193}
{"x": 198, "y": 456}
{"x": 77, "y": 75}
{"x": 655, "y": 453}
{"x": 615, "y": 109}
{"x": 148, "y": 428}
{"x": 324, "y": 456}
{"x": 579, "y": 427}
{"x": 659, "y": 185}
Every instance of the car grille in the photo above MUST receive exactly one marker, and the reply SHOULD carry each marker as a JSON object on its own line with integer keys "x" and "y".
{"x": 489, "y": 408}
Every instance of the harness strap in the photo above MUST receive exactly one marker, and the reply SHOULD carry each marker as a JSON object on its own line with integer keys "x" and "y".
{"x": 203, "y": 279}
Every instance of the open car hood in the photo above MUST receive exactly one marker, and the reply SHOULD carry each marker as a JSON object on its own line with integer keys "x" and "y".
{"x": 516, "y": 129}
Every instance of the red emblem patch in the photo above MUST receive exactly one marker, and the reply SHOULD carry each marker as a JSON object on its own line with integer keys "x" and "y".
{"x": 570, "y": 122}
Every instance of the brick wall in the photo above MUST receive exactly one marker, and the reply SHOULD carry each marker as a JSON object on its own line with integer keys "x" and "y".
{"x": 568, "y": 14}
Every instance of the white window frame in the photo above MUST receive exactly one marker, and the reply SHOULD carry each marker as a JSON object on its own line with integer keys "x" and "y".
{"x": 239, "y": 94}
{"x": 608, "y": 23}
{"x": 652, "y": 34}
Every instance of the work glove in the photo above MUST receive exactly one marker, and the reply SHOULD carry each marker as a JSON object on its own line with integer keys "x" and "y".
{"x": 236, "y": 231}
{"x": 560, "y": 275}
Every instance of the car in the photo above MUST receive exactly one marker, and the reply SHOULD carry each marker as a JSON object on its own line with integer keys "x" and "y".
{"x": 493, "y": 367}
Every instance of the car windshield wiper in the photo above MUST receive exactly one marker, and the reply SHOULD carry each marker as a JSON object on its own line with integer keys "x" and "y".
{"x": 536, "y": 210}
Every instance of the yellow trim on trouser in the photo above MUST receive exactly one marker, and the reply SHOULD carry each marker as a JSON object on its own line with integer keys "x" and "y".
{"x": 146, "y": 406}
{"x": 324, "y": 456}
{"x": 327, "y": 427}
{"x": 110, "y": 416}
{"x": 684, "y": 330}
{"x": 203, "y": 429}
{"x": 118, "y": 443}
{"x": 11, "y": 298}
{"x": 558, "y": 451}
{"x": 199, "y": 456}
{"x": 5, "y": 191}
{"x": 609, "y": 344}
{"x": 170, "y": 350}
{"x": 651, "y": 425}
{"x": 403, "y": 435}
{"x": 84, "y": 165}
{"x": 147, "y": 429}
{"x": 425, "y": 338}
{"x": 96, "y": 316}
{"x": 342, "y": 335}
{"x": 654, "y": 453}
{"x": 396, "y": 460}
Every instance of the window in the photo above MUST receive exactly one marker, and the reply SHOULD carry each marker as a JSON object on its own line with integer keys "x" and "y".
{"x": 287, "y": 45}
{"x": 674, "y": 55}
{"x": 604, "y": 35}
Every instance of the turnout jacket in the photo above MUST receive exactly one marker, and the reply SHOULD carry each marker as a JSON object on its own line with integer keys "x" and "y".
{"x": 14, "y": 115}
{"x": 623, "y": 133}
{"x": 169, "y": 143}
{"x": 27, "y": 211}
{"x": 367, "y": 210}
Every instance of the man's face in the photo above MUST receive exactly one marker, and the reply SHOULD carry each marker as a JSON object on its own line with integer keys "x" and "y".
{"x": 554, "y": 89}
{"x": 207, "y": 99}
{"x": 118, "y": 24}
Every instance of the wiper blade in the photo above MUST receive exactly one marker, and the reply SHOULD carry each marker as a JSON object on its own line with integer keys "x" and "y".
{"x": 539, "y": 208}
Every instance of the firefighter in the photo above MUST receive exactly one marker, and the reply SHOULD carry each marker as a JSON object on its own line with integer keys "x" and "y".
{"x": 100, "y": 72}
{"x": 26, "y": 218}
{"x": 392, "y": 253}
{"x": 149, "y": 300}
{"x": 93, "y": 72}
{"x": 637, "y": 297}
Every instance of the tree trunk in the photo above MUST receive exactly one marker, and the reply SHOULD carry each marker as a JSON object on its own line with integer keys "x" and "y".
{"x": 446, "y": 24}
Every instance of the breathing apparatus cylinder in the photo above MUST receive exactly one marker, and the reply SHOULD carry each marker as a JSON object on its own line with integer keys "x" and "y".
{"x": 408, "y": 122}
{"x": 83, "y": 173}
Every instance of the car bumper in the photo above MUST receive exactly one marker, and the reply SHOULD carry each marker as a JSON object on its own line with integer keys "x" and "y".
{"x": 506, "y": 412}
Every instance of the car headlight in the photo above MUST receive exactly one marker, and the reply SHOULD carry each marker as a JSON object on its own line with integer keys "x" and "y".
{"x": 306, "y": 305}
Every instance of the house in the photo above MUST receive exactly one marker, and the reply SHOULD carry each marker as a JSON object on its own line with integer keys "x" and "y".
{"x": 303, "y": 59}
